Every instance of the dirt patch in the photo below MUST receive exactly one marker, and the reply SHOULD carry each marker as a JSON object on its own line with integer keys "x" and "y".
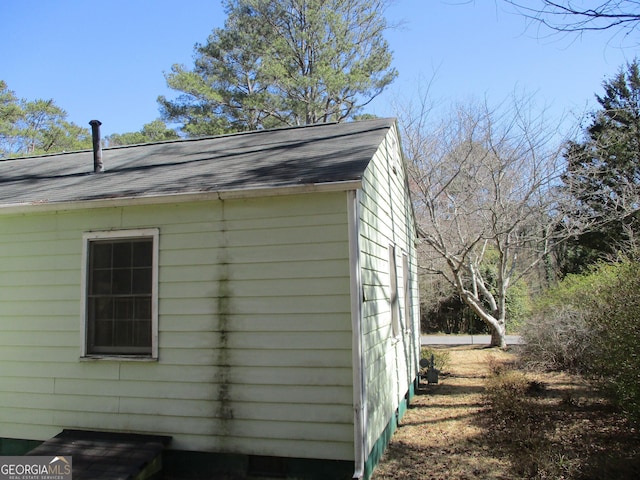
{"x": 530, "y": 426}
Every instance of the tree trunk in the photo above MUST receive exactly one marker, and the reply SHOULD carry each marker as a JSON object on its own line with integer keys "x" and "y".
{"x": 498, "y": 336}
{"x": 496, "y": 324}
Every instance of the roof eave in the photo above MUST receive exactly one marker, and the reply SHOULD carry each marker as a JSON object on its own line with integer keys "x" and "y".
{"x": 38, "y": 207}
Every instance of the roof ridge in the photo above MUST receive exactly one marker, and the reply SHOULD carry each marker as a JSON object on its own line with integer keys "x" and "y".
{"x": 195, "y": 139}
{"x": 223, "y": 135}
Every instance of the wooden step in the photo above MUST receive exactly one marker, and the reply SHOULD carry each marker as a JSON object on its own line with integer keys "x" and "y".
{"x": 107, "y": 455}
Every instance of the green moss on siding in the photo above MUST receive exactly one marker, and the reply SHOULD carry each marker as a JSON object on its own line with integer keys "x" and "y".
{"x": 223, "y": 311}
{"x": 225, "y": 408}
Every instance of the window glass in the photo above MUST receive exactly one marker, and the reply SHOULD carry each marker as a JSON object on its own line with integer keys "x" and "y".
{"x": 142, "y": 254}
{"x": 122, "y": 254}
{"x": 101, "y": 255}
{"x": 119, "y": 294}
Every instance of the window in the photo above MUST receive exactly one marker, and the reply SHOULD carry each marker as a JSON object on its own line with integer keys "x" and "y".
{"x": 393, "y": 294}
{"x": 120, "y": 301}
{"x": 395, "y": 155}
{"x": 406, "y": 292}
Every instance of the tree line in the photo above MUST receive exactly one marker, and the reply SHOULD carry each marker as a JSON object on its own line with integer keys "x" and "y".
{"x": 36, "y": 127}
{"x": 40, "y": 127}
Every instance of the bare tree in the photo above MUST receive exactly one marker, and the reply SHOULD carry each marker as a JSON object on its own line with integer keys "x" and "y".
{"x": 485, "y": 185}
{"x": 569, "y": 16}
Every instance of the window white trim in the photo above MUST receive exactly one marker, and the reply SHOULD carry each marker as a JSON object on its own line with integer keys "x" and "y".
{"x": 87, "y": 237}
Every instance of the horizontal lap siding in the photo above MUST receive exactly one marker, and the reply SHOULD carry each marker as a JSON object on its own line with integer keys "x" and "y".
{"x": 387, "y": 219}
{"x": 254, "y": 328}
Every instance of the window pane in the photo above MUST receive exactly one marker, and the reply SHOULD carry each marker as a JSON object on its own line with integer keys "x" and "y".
{"x": 123, "y": 308}
{"x": 122, "y": 281}
{"x": 142, "y": 333}
{"x": 100, "y": 255}
{"x": 123, "y": 334}
{"x": 143, "y": 254}
{"x": 100, "y": 282}
{"x": 103, "y": 334}
{"x": 142, "y": 280}
{"x": 102, "y": 308}
{"x": 143, "y": 308}
{"x": 122, "y": 254}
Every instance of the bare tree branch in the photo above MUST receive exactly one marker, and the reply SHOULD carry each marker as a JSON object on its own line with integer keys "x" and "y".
{"x": 485, "y": 182}
{"x": 571, "y": 16}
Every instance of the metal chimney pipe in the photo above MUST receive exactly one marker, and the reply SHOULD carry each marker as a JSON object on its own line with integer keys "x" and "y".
{"x": 98, "y": 166}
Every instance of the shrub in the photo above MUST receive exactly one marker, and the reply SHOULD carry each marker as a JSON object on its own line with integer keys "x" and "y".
{"x": 497, "y": 365}
{"x": 518, "y": 303}
{"x": 615, "y": 361}
{"x": 450, "y": 315}
{"x": 590, "y": 324}
{"x": 441, "y": 358}
{"x": 560, "y": 333}
{"x": 558, "y": 338}
{"x": 506, "y": 392}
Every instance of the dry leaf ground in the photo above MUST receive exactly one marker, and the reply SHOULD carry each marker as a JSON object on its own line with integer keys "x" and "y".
{"x": 539, "y": 426}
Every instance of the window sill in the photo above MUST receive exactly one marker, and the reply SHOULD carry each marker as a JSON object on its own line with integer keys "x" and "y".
{"x": 118, "y": 358}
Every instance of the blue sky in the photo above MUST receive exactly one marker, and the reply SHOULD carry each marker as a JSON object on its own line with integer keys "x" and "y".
{"x": 106, "y": 60}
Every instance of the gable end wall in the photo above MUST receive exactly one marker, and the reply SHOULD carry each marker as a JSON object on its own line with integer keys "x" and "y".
{"x": 387, "y": 220}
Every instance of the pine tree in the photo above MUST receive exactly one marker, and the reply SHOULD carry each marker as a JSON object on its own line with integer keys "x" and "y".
{"x": 604, "y": 169}
{"x": 292, "y": 62}
{"x": 36, "y": 127}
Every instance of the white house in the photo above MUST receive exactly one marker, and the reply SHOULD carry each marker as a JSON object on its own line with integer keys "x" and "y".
{"x": 254, "y": 296}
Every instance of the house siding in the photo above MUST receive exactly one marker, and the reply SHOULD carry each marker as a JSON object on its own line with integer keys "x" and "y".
{"x": 254, "y": 328}
{"x": 387, "y": 221}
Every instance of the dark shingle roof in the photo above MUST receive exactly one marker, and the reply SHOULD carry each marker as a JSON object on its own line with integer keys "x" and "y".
{"x": 280, "y": 158}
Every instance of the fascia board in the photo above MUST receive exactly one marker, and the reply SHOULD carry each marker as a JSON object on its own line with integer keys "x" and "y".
{"x": 39, "y": 207}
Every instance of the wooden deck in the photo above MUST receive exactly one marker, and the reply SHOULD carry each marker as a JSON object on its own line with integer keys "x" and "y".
{"x": 107, "y": 455}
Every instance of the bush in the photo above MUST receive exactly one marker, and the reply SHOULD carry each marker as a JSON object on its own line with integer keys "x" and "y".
{"x": 518, "y": 303}
{"x": 590, "y": 324}
{"x": 451, "y": 315}
{"x": 560, "y": 335}
{"x": 505, "y": 393}
{"x": 441, "y": 358}
{"x": 615, "y": 361}
{"x": 558, "y": 339}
